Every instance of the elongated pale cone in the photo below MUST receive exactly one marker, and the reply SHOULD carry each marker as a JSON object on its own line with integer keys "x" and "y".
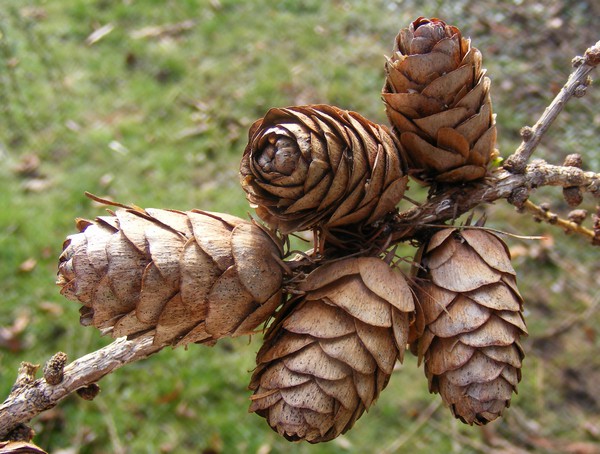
{"x": 326, "y": 359}
{"x": 469, "y": 322}
{"x": 438, "y": 100}
{"x": 191, "y": 276}
{"x": 318, "y": 165}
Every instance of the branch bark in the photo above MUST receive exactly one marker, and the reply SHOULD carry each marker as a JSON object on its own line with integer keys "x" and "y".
{"x": 515, "y": 187}
{"x": 576, "y": 86}
{"x": 29, "y": 396}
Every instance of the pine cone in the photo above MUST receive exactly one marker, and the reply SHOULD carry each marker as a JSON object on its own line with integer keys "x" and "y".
{"x": 469, "y": 318}
{"x": 438, "y": 102}
{"x": 321, "y": 166}
{"x": 193, "y": 276}
{"x": 326, "y": 361}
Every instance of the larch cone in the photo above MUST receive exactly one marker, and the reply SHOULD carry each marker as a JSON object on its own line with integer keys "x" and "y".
{"x": 192, "y": 276}
{"x": 469, "y": 322}
{"x": 320, "y": 166}
{"x": 327, "y": 358}
{"x": 438, "y": 101}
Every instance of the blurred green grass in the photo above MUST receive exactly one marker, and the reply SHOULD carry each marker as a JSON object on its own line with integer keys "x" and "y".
{"x": 159, "y": 117}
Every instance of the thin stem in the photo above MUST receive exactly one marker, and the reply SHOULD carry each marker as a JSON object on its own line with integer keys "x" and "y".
{"x": 456, "y": 201}
{"x": 553, "y": 219}
{"x": 532, "y": 136}
{"x": 30, "y": 397}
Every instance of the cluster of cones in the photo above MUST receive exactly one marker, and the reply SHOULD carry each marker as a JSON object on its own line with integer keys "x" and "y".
{"x": 343, "y": 317}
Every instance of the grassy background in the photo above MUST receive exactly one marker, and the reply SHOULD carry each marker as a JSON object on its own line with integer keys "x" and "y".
{"x": 159, "y": 117}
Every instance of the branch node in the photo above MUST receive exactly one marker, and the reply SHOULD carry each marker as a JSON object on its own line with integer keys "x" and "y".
{"x": 25, "y": 375}
{"x": 573, "y": 196}
{"x": 54, "y": 368}
{"x": 580, "y": 91}
{"x": 22, "y": 432}
{"x": 578, "y": 61}
{"x": 526, "y": 133}
{"x": 518, "y": 197}
{"x": 89, "y": 392}
{"x": 592, "y": 55}
{"x": 577, "y": 216}
{"x": 573, "y": 160}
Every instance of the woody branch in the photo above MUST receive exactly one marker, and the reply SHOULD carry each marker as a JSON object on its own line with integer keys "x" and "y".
{"x": 30, "y": 397}
{"x": 576, "y": 86}
{"x": 503, "y": 185}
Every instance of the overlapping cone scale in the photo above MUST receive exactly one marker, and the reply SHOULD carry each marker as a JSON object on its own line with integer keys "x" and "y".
{"x": 318, "y": 165}
{"x": 326, "y": 359}
{"x": 191, "y": 276}
{"x": 469, "y": 322}
{"x": 438, "y": 101}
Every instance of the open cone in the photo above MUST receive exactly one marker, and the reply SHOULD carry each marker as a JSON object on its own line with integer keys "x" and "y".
{"x": 469, "y": 322}
{"x": 326, "y": 359}
{"x": 192, "y": 276}
{"x": 320, "y": 166}
{"x": 438, "y": 100}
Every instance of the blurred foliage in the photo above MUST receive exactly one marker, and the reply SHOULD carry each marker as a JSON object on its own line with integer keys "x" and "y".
{"x": 150, "y": 102}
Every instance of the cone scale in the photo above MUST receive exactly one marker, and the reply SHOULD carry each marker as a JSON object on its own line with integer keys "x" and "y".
{"x": 469, "y": 322}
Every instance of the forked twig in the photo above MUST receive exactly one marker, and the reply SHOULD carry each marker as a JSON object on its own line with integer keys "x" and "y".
{"x": 575, "y": 86}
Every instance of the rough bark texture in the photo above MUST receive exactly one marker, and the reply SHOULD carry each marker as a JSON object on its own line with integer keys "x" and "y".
{"x": 30, "y": 397}
{"x": 452, "y": 202}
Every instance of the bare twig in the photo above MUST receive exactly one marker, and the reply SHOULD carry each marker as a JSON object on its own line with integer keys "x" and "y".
{"x": 545, "y": 215}
{"x": 577, "y": 82}
{"x": 501, "y": 185}
{"x": 30, "y": 397}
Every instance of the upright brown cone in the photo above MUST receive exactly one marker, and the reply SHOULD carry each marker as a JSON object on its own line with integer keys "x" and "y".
{"x": 325, "y": 361}
{"x": 192, "y": 276}
{"x": 469, "y": 312}
{"x": 438, "y": 102}
{"x": 321, "y": 166}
